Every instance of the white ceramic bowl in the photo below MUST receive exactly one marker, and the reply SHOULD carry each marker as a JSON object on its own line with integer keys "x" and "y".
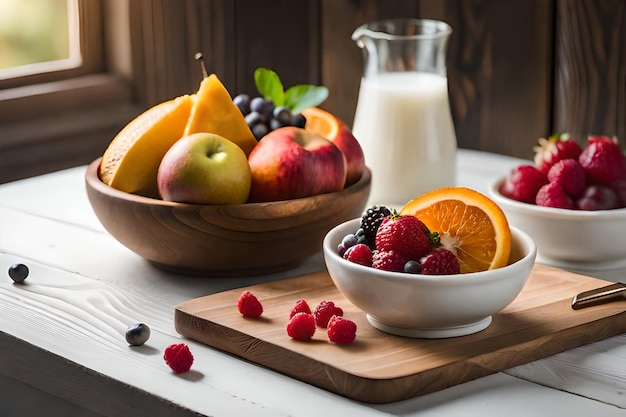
{"x": 429, "y": 306}
{"x": 568, "y": 237}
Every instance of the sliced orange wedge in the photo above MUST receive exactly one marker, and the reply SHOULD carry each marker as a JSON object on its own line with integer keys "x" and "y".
{"x": 321, "y": 122}
{"x": 469, "y": 224}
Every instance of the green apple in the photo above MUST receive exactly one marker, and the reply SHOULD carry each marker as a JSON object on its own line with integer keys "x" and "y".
{"x": 204, "y": 168}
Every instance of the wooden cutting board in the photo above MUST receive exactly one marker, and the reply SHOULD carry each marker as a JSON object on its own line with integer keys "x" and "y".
{"x": 382, "y": 368}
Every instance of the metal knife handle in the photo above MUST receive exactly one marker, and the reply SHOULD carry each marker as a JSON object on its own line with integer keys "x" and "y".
{"x": 602, "y": 295}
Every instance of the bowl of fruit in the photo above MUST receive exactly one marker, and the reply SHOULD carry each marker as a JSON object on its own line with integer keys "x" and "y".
{"x": 571, "y": 200}
{"x": 196, "y": 186}
{"x": 440, "y": 267}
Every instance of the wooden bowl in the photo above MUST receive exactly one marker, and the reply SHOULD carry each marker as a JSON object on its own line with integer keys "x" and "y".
{"x": 229, "y": 240}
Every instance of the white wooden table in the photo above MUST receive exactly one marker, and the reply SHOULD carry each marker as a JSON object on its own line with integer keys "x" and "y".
{"x": 63, "y": 353}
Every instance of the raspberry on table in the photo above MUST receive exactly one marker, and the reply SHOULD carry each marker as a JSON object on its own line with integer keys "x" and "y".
{"x": 324, "y": 311}
{"x": 249, "y": 305}
{"x": 359, "y": 254}
{"x": 370, "y": 222}
{"x": 388, "y": 261}
{"x": 570, "y": 174}
{"x": 301, "y": 306}
{"x": 523, "y": 183}
{"x": 404, "y": 235}
{"x": 341, "y": 330}
{"x": 301, "y": 326}
{"x": 178, "y": 357}
{"x": 441, "y": 261}
{"x": 553, "y": 195}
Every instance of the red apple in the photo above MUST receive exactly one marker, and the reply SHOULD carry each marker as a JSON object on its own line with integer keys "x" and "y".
{"x": 331, "y": 127}
{"x": 293, "y": 163}
{"x": 204, "y": 168}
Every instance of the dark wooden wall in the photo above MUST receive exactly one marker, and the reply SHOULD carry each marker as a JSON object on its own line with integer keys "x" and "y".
{"x": 518, "y": 69}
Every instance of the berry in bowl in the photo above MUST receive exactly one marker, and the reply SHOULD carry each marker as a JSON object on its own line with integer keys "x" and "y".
{"x": 441, "y": 267}
{"x": 571, "y": 201}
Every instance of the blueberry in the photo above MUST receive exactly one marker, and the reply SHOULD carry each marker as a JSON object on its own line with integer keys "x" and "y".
{"x": 18, "y": 272}
{"x": 137, "y": 334}
{"x": 412, "y": 267}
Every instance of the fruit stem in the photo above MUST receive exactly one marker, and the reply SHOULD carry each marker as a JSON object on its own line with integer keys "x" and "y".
{"x": 200, "y": 57}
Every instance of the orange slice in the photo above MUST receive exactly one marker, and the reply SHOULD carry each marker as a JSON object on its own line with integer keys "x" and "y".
{"x": 469, "y": 223}
{"x": 131, "y": 161}
{"x": 321, "y": 122}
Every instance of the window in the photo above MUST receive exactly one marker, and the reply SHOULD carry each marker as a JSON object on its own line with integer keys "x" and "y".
{"x": 48, "y": 42}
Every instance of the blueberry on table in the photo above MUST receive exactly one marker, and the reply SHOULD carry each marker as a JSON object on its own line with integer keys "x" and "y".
{"x": 18, "y": 272}
{"x": 137, "y": 334}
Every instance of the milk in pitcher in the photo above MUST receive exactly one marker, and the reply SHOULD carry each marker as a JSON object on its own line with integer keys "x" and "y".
{"x": 404, "y": 125}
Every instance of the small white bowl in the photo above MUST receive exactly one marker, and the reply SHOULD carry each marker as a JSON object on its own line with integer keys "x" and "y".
{"x": 568, "y": 237}
{"x": 429, "y": 306}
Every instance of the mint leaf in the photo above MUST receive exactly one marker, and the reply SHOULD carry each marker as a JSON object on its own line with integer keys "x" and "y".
{"x": 296, "y": 98}
{"x": 269, "y": 85}
{"x": 302, "y": 96}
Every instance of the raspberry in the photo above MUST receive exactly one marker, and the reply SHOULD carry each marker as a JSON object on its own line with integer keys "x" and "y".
{"x": 404, "y": 235}
{"x": 324, "y": 311}
{"x": 553, "y": 195}
{"x": 603, "y": 160}
{"x": 249, "y": 305}
{"x": 570, "y": 174}
{"x": 178, "y": 357}
{"x": 370, "y": 221}
{"x": 388, "y": 261}
{"x": 301, "y": 306}
{"x": 555, "y": 148}
{"x": 441, "y": 261}
{"x": 301, "y": 326}
{"x": 597, "y": 197}
{"x": 341, "y": 330}
{"x": 523, "y": 183}
{"x": 359, "y": 254}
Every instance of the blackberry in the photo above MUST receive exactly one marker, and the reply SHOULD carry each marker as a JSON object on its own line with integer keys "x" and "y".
{"x": 370, "y": 221}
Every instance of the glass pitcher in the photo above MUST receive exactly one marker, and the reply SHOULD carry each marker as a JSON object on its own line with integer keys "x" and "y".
{"x": 403, "y": 119}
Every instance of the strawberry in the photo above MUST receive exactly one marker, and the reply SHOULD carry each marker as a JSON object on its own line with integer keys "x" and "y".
{"x": 523, "y": 183}
{"x": 553, "y": 195}
{"x": 603, "y": 160}
{"x": 403, "y": 235}
{"x": 557, "y": 147}
{"x": 570, "y": 174}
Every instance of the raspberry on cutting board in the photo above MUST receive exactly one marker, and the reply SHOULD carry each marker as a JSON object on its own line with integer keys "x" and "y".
{"x": 324, "y": 311}
{"x": 301, "y": 326}
{"x": 301, "y": 306}
{"x": 341, "y": 330}
{"x": 249, "y": 305}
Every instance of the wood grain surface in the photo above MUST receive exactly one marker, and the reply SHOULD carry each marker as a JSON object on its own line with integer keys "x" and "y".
{"x": 381, "y": 368}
